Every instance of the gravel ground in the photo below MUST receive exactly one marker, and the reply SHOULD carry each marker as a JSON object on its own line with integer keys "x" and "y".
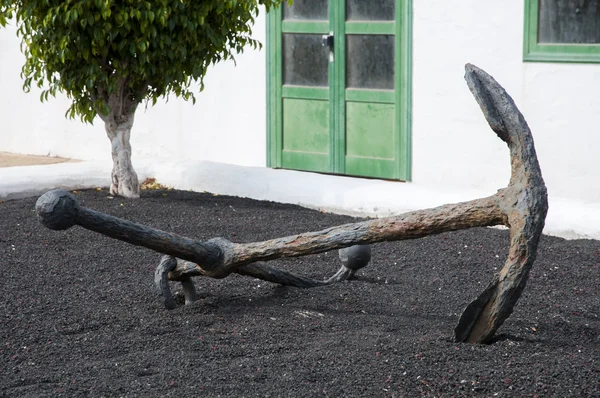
{"x": 80, "y": 317}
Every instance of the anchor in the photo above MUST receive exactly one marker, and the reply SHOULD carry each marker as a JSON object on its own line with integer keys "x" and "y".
{"x": 521, "y": 206}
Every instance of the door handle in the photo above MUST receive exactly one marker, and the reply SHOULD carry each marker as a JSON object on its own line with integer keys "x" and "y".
{"x": 327, "y": 40}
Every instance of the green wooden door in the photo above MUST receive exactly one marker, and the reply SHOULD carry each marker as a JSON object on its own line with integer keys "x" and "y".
{"x": 338, "y": 86}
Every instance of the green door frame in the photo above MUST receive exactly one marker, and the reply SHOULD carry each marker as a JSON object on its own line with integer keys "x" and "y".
{"x": 338, "y": 94}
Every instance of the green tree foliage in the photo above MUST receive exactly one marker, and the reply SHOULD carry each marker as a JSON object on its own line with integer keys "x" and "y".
{"x": 150, "y": 49}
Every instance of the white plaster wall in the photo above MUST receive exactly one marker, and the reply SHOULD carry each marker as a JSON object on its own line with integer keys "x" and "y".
{"x": 453, "y": 147}
{"x": 227, "y": 123}
{"x": 452, "y": 144}
{"x": 30, "y": 127}
{"x": 562, "y": 106}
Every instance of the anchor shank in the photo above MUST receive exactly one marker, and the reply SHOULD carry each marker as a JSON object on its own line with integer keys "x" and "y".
{"x": 151, "y": 238}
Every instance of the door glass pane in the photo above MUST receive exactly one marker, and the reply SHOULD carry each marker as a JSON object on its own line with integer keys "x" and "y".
{"x": 569, "y": 21}
{"x": 370, "y": 61}
{"x": 306, "y": 10}
{"x": 369, "y": 10}
{"x": 305, "y": 60}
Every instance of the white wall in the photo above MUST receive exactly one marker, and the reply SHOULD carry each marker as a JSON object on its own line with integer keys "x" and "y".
{"x": 452, "y": 144}
{"x": 30, "y": 127}
{"x": 562, "y": 105}
{"x": 453, "y": 148}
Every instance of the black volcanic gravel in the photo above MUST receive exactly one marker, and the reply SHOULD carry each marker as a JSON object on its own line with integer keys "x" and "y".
{"x": 79, "y": 316}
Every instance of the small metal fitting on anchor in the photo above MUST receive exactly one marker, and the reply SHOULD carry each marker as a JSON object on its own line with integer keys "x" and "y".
{"x": 161, "y": 282}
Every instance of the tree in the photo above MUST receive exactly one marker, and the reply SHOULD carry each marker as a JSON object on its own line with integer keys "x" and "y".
{"x": 108, "y": 56}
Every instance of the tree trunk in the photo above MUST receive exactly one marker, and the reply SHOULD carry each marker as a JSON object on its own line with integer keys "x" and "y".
{"x": 118, "y": 122}
{"x": 124, "y": 178}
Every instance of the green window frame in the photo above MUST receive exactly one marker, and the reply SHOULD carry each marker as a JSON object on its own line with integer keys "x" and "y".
{"x": 533, "y": 51}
